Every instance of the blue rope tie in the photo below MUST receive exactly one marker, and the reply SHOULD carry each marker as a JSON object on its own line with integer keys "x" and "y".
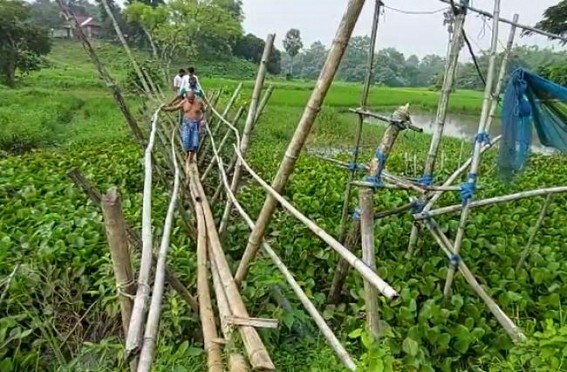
{"x": 417, "y": 206}
{"x": 375, "y": 181}
{"x": 354, "y": 166}
{"x": 483, "y": 138}
{"x": 454, "y": 260}
{"x": 381, "y": 157}
{"x": 356, "y": 214}
{"x": 468, "y": 188}
{"x": 426, "y": 180}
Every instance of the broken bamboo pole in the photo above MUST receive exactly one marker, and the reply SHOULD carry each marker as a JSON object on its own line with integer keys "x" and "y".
{"x": 369, "y": 258}
{"x": 248, "y": 126}
{"x": 152, "y": 324}
{"x": 334, "y": 57}
{"x": 363, "y": 101}
{"x": 134, "y": 337}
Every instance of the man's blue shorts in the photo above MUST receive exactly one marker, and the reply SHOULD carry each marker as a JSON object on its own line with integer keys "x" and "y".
{"x": 190, "y": 134}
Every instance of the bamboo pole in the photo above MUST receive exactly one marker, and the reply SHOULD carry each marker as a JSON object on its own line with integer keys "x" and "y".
{"x": 441, "y": 116}
{"x": 511, "y": 329}
{"x": 126, "y": 48}
{"x": 347, "y": 255}
{"x": 363, "y": 101}
{"x": 332, "y": 340}
{"x": 513, "y": 23}
{"x": 369, "y": 258}
{"x": 491, "y": 201}
{"x": 221, "y": 145}
{"x": 118, "y": 242}
{"x": 152, "y": 324}
{"x": 252, "y": 110}
{"x": 228, "y": 107}
{"x": 536, "y": 227}
{"x": 263, "y": 103}
{"x": 104, "y": 75}
{"x": 255, "y": 349}
{"x": 133, "y": 237}
{"x": 484, "y": 116}
{"x": 134, "y": 338}
{"x": 237, "y": 363}
{"x": 304, "y": 126}
{"x": 213, "y": 350}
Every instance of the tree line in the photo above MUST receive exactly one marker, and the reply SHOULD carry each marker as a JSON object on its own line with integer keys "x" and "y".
{"x": 197, "y": 30}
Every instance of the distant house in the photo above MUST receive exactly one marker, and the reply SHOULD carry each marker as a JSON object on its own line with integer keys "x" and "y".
{"x": 90, "y": 26}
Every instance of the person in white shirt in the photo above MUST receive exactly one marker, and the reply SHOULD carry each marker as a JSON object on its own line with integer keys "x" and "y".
{"x": 178, "y": 81}
{"x": 185, "y": 81}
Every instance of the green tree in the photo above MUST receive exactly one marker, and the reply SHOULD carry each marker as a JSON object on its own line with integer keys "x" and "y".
{"x": 554, "y": 19}
{"x": 251, "y": 48}
{"x": 292, "y": 44}
{"x": 21, "y": 43}
{"x": 45, "y": 13}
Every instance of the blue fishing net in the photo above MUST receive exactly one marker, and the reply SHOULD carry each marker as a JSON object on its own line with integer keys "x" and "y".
{"x": 528, "y": 99}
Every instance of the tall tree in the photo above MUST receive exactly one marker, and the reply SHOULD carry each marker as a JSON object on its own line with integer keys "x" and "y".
{"x": 554, "y": 19}
{"x": 21, "y": 43}
{"x": 292, "y": 44}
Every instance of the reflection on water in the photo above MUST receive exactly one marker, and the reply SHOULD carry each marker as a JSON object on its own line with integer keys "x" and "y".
{"x": 463, "y": 127}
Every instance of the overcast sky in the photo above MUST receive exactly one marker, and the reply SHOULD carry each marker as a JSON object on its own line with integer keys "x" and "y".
{"x": 418, "y": 34}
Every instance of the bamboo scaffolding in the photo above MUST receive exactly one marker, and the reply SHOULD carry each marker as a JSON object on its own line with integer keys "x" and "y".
{"x": 213, "y": 350}
{"x": 134, "y": 238}
{"x": 255, "y": 349}
{"x": 363, "y": 102}
{"x": 304, "y": 126}
{"x": 513, "y": 23}
{"x": 263, "y": 103}
{"x": 441, "y": 116}
{"x": 535, "y": 229}
{"x": 118, "y": 242}
{"x": 332, "y": 340}
{"x": 346, "y": 254}
{"x": 369, "y": 258}
{"x": 134, "y": 337}
{"x": 228, "y": 107}
{"x": 491, "y": 201}
{"x": 484, "y": 117}
{"x": 248, "y": 126}
{"x": 446, "y": 245}
{"x": 152, "y": 324}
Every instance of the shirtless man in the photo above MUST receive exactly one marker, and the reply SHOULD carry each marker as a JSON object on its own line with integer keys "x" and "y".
{"x": 192, "y": 123}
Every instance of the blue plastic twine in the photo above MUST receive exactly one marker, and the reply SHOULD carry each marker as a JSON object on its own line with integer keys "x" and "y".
{"x": 468, "y": 188}
{"x": 426, "y": 180}
{"x": 356, "y": 214}
{"x": 483, "y": 138}
{"x": 417, "y": 206}
{"x": 353, "y": 166}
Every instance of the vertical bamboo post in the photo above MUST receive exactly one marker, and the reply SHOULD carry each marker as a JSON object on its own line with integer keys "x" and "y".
{"x": 152, "y": 324}
{"x": 363, "y": 101}
{"x": 304, "y": 126}
{"x": 134, "y": 339}
{"x": 118, "y": 241}
{"x": 228, "y": 107}
{"x": 441, "y": 116}
{"x": 472, "y": 177}
{"x": 369, "y": 258}
{"x": 262, "y": 70}
{"x": 536, "y": 227}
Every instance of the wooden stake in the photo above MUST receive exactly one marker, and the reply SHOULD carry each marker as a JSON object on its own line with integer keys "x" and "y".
{"x": 369, "y": 258}
{"x": 363, "y": 102}
{"x": 535, "y": 229}
{"x": 311, "y": 309}
{"x": 118, "y": 242}
{"x": 134, "y": 338}
{"x": 287, "y": 164}
{"x": 262, "y": 70}
{"x": 152, "y": 324}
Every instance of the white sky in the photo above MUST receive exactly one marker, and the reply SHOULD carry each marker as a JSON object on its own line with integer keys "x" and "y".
{"x": 408, "y": 33}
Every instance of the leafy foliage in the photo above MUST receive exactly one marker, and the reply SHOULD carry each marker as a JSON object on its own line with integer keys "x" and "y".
{"x": 554, "y": 19}
{"x": 21, "y": 44}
